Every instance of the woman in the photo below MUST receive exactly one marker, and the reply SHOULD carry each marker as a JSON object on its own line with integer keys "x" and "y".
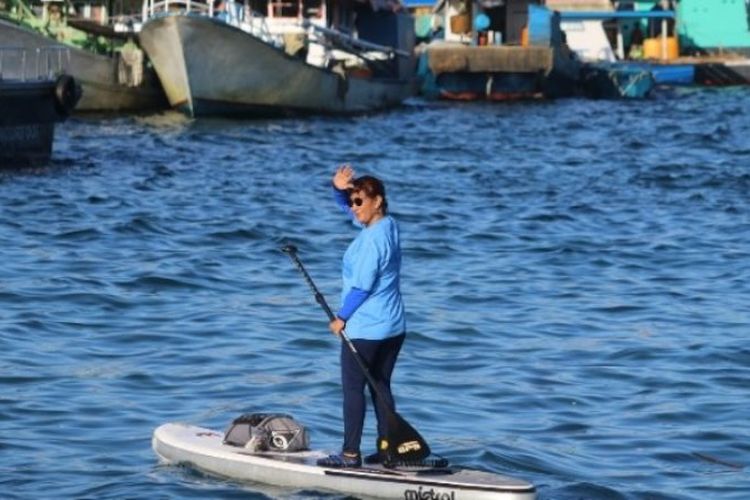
{"x": 372, "y": 312}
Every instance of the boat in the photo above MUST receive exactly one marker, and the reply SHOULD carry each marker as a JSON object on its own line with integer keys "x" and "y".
{"x": 281, "y": 58}
{"x": 111, "y": 69}
{"x": 34, "y": 96}
{"x": 205, "y": 449}
{"x": 631, "y": 78}
{"x": 494, "y": 50}
{"x": 614, "y": 81}
{"x": 680, "y": 43}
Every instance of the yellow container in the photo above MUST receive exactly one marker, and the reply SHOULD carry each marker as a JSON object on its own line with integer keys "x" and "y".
{"x": 460, "y": 24}
{"x": 653, "y": 49}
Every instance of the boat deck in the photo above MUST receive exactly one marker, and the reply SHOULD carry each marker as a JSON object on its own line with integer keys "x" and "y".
{"x": 451, "y": 58}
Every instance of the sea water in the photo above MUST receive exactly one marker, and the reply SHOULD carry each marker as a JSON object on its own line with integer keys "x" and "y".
{"x": 576, "y": 275}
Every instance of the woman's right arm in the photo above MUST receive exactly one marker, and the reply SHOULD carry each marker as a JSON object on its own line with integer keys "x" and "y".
{"x": 342, "y": 200}
{"x": 342, "y": 181}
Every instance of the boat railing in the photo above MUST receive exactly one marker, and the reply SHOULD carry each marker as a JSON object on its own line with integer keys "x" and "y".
{"x": 152, "y": 8}
{"x": 235, "y": 13}
{"x": 255, "y": 24}
{"x": 47, "y": 63}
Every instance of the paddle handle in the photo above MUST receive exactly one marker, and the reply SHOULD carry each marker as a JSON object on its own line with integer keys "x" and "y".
{"x": 291, "y": 251}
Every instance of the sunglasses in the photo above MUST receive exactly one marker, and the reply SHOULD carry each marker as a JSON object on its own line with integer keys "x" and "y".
{"x": 355, "y": 201}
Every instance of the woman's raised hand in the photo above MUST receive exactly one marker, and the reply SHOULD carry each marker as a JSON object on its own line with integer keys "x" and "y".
{"x": 343, "y": 177}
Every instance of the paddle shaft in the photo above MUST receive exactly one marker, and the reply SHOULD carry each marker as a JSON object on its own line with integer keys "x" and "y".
{"x": 291, "y": 251}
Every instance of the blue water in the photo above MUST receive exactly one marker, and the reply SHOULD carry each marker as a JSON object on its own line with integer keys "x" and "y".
{"x": 576, "y": 274}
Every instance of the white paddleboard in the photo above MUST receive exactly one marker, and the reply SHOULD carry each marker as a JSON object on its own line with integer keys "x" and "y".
{"x": 203, "y": 449}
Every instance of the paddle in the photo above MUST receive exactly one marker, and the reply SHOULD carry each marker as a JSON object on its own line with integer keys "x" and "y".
{"x": 402, "y": 443}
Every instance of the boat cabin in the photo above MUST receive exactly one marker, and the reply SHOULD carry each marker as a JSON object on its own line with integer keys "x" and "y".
{"x": 483, "y": 22}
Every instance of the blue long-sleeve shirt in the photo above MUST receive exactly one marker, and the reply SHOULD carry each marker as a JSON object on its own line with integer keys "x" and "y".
{"x": 372, "y": 305}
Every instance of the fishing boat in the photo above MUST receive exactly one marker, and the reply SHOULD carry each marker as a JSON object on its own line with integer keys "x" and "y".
{"x": 106, "y": 62}
{"x": 35, "y": 94}
{"x": 614, "y": 69}
{"x": 277, "y": 58}
{"x": 215, "y": 453}
{"x": 497, "y": 51}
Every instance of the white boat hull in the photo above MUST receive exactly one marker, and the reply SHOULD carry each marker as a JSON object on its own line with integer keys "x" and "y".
{"x": 208, "y": 67}
{"x": 203, "y": 449}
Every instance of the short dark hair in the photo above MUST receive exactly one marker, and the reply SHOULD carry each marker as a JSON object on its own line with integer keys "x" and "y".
{"x": 372, "y": 186}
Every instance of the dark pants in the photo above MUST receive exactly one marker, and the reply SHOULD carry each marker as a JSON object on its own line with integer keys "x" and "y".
{"x": 380, "y": 357}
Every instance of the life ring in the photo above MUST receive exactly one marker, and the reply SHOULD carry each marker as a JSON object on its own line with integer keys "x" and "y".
{"x": 66, "y": 94}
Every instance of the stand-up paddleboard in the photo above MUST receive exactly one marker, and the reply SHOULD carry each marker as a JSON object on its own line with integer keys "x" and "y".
{"x": 205, "y": 450}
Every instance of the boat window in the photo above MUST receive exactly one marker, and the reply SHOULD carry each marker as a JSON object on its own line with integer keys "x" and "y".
{"x": 312, "y": 8}
{"x": 282, "y": 8}
{"x": 259, "y": 6}
{"x": 295, "y": 8}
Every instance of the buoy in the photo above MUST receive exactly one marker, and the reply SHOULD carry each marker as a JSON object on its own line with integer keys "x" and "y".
{"x": 481, "y": 22}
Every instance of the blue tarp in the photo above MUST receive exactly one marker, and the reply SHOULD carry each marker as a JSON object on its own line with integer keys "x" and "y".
{"x": 412, "y": 4}
{"x": 574, "y": 15}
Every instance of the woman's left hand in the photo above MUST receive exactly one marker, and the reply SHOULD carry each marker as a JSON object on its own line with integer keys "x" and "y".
{"x": 337, "y": 326}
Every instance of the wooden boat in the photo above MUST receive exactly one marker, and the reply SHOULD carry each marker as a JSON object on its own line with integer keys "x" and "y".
{"x": 112, "y": 80}
{"x": 33, "y": 100}
{"x": 296, "y": 58}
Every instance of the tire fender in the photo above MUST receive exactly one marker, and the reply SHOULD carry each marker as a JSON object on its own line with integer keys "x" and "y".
{"x": 66, "y": 94}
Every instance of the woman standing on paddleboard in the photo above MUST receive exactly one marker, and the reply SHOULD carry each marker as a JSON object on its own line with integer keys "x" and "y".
{"x": 372, "y": 312}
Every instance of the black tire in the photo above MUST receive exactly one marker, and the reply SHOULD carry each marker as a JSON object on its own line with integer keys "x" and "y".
{"x": 66, "y": 94}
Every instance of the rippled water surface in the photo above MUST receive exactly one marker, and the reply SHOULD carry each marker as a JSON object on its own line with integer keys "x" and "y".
{"x": 576, "y": 274}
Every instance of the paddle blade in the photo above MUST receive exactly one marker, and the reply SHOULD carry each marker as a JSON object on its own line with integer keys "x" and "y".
{"x": 402, "y": 443}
